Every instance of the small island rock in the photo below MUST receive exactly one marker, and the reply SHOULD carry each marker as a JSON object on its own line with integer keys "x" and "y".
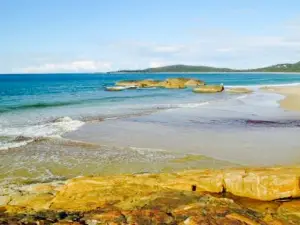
{"x": 172, "y": 83}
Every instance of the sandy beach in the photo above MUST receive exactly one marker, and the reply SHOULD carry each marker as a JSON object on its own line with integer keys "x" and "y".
{"x": 292, "y": 96}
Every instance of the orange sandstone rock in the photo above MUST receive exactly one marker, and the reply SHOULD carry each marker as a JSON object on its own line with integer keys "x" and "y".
{"x": 209, "y": 89}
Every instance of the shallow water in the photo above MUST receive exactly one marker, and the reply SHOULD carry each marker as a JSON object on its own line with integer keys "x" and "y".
{"x": 59, "y": 159}
{"x": 241, "y": 138}
{"x": 31, "y": 104}
{"x": 42, "y": 117}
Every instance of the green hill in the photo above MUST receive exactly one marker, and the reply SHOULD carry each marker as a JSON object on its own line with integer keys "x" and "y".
{"x": 185, "y": 68}
{"x": 288, "y": 67}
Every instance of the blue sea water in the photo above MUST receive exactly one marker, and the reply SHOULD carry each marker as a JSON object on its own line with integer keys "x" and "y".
{"x": 42, "y": 105}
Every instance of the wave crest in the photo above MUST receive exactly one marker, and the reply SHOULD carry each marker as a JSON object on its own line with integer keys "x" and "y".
{"x": 10, "y": 135}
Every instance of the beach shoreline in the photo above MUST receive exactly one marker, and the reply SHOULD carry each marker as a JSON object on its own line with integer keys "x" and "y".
{"x": 291, "y": 95}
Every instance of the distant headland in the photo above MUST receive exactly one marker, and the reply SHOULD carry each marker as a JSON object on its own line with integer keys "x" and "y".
{"x": 278, "y": 68}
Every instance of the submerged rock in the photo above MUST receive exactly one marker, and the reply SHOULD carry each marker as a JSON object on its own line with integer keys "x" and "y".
{"x": 117, "y": 88}
{"x": 209, "y": 89}
{"x": 125, "y": 83}
{"x": 22, "y": 138}
{"x": 239, "y": 90}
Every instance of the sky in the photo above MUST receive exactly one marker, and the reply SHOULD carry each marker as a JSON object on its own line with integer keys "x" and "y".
{"x": 106, "y": 35}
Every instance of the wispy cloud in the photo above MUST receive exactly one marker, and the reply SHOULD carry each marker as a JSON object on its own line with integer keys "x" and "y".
{"x": 74, "y": 66}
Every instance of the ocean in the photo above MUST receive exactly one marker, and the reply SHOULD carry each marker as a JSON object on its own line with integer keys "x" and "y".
{"x": 97, "y": 131}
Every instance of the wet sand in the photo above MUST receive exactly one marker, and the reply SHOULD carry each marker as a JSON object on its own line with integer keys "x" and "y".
{"x": 249, "y": 147}
{"x": 292, "y": 96}
{"x": 239, "y": 134}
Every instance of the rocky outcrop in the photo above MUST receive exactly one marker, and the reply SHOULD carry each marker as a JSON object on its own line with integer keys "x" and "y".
{"x": 209, "y": 89}
{"x": 168, "y": 208}
{"x": 140, "y": 83}
{"x": 194, "y": 83}
{"x": 263, "y": 184}
{"x": 150, "y": 83}
{"x": 172, "y": 198}
{"x": 179, "y": 83}
{"x": 174, "y": 83}
{"x": 239, "y": 90}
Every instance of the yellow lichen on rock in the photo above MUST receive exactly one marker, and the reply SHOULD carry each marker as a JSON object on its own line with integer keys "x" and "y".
{"x": 36, "y": 202}
{"x": 4, "y": 200}
{"x": 263, "y": 184}
{"x": 290, "y": 208}
{"x": 175, "y": 83}
{"x": 202, "y": 181}
{"x": 180, "y": 83}
{"x": 150, "y": 83}
{"x": 92, "y": 192}
{"x": 166, "y": 191}
{"x": 194, "y": 83}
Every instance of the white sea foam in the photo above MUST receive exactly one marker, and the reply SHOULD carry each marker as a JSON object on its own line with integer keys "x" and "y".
{"x": 8, "y": 145}
{"x": 258, "y": 86}
{"x": 182, "y": 105}
{"x": 50, "y": 129}
{"x": 192, "y": 105}
{"x": 241, "y": 97}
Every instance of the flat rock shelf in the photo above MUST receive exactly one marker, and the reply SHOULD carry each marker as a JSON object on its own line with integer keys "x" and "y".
{"x": 250, "y": 196}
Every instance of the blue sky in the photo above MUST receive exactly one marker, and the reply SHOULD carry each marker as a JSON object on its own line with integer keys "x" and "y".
{"x": 104, "y": 35}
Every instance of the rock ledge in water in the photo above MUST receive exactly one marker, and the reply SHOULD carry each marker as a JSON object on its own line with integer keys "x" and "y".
{"x": 172, "y": 83}
{"x": 209, "y": 89}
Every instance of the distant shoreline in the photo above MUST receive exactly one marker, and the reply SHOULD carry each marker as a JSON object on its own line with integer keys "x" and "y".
{"x": 115, "y": 73}
{"x": 296, "y": 73}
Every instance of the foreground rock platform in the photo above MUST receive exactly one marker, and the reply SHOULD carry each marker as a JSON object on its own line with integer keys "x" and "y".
{"x": 230, "y": 196}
